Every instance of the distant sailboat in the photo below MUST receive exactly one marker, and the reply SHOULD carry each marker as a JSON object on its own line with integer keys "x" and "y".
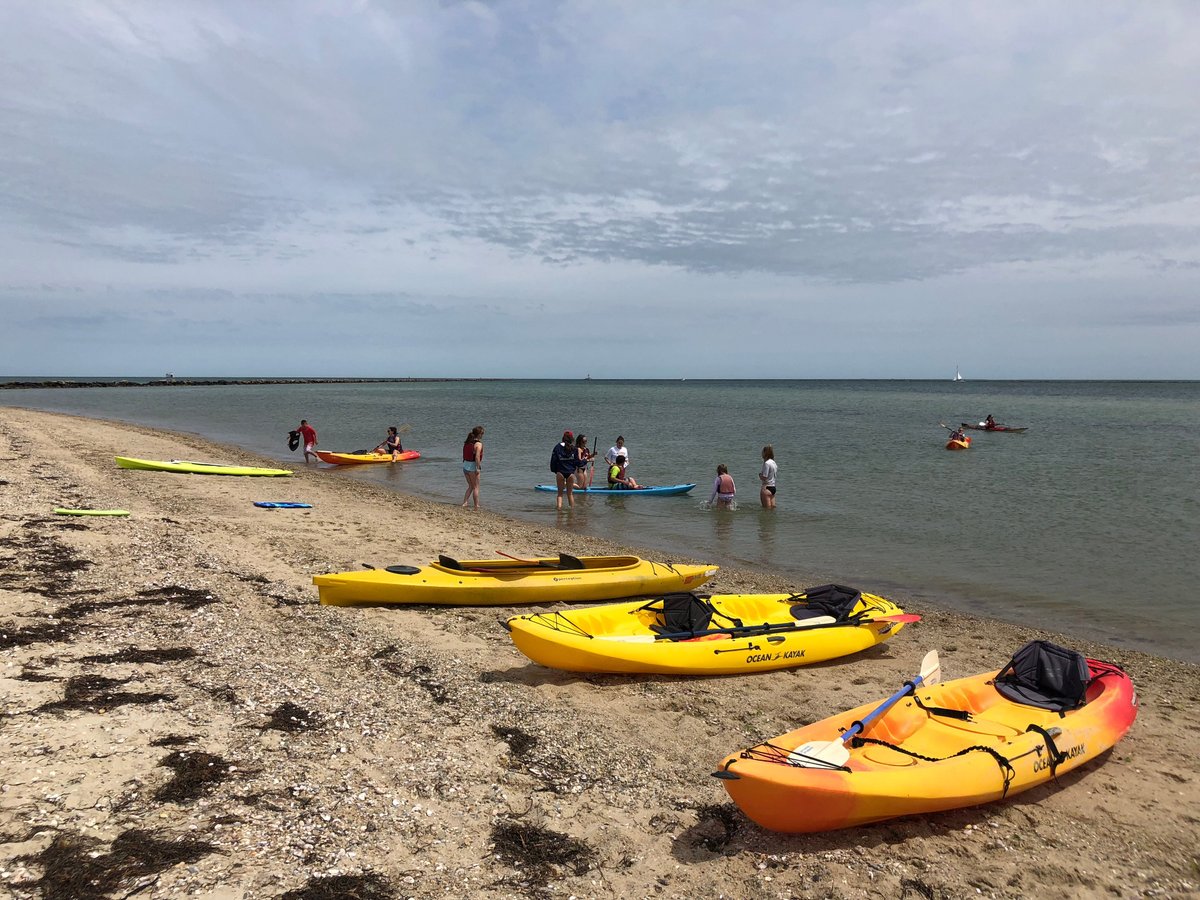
{"x": 957, "y": 374}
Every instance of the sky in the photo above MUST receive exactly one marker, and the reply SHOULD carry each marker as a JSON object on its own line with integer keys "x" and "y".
{"x": 622, "y": 189}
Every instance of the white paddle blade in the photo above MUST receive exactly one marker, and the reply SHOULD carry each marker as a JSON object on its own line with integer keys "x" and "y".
{"x": 931, "y": 668}
{"x": 819, "y": 755}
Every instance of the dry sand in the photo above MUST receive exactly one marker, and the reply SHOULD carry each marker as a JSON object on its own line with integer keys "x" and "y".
{"x": 179, "y": 716}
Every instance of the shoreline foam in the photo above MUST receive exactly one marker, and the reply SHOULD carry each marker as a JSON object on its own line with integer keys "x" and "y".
{"x": 416, "y": 744}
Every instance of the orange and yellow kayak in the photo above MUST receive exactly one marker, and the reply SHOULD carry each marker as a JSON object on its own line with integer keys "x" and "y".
{"x": 964, "y": 444}
{"x": 956, "y": 744}
{"x": 358, "y": 459}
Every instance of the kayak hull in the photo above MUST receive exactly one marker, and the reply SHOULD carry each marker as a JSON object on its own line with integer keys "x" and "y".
{"x": 359, "y": 459}
{"x": 1008, "y": 428}
{"x": 964, "y": 444}
{"x": 617, "y": 638}
{"x": 664, "y": 491}
{"x": 502, "y": 582}
{"x": 90, "y": 512}
{"x": 879, "y": 782}
{"x": 195, "y": 468}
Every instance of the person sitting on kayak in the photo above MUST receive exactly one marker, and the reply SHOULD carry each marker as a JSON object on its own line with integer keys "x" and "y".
{"x": 958, "y": 435}
{"x": 391, "y": 444}
{"x": 989, "y": 423}
{"x": 723, "y": 488}
{"x": 618, "y": 478}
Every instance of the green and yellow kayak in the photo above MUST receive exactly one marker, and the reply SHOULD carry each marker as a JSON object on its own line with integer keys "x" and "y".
{"x": 61, "y": 511}
{"x": 195, "y": 468}
{"x": 505, "y": 582}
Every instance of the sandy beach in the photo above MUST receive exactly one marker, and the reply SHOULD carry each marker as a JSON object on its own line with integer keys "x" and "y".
{"x": 180, "y": 717}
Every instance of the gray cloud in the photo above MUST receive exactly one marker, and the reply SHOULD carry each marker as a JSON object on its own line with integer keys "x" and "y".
{"x": 429, "y": 163}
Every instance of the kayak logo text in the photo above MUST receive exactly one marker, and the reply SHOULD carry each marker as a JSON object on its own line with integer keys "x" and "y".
{"x": 771, "y": 657}
{"x": 1043, "y": 763}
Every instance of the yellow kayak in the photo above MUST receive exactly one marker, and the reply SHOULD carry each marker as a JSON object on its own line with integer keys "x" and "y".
{"x": 937, "y": 746}
{"x": 719, "y": 635}
{"x": 195, "y": 468}
{"x": 505, "y": 582}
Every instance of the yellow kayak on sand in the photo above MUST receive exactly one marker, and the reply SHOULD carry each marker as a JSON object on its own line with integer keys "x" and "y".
{"x": 725, "y": 634}
{"x": 506, "y": 582}
{"x": 195, "y": 468}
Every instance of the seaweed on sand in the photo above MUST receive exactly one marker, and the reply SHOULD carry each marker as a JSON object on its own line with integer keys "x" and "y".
{"x": 74, "y": 868}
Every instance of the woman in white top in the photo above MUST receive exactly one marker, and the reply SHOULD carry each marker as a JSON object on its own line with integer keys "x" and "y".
{"x": 767, "y": 476}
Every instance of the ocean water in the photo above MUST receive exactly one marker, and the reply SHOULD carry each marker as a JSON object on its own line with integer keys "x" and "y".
{"x": 1088, "y": 523}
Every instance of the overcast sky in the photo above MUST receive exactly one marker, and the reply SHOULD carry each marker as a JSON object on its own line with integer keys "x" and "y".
{"x": 642, "y": 189}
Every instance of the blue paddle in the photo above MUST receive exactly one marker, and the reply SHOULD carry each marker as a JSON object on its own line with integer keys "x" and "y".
{"x": 824, "y": 754}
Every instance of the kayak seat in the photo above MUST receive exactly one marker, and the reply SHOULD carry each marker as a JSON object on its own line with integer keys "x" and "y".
{"x": 447, "y": 562}
{"x": 567, "y": 561}
{"x": 835, "y": 600}
{"x": 682, "y": 612}
{"x": 1045, "y": 676}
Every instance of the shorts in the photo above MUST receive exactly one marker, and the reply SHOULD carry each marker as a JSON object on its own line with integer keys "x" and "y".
{"x": 310, "y": 447}
{"x": 771, "y": 488}
{"x": 470, "y": 466}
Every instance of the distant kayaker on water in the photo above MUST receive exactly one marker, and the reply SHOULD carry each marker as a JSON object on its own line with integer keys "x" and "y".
{"x": 958, "y": 434}
{"x": 989, "y": 422}
{"x": 723, "y": 488}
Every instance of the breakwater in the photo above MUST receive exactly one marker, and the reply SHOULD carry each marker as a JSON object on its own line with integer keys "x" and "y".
{"x": 217, "y": 382}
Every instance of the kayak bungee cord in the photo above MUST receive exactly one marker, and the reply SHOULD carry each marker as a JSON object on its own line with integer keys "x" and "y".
{"x": 1006, "y": 767}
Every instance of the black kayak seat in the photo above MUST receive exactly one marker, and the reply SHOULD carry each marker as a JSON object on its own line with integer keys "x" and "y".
{"x": 1046, "y": 676}
{"x": 681, "y": 612}
{"x": 835, "y": 600}
{"x": 567, "y": 561}
{"x": 449, "y": 563}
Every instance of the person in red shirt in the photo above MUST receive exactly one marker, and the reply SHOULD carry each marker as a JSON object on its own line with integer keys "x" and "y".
{"x": 308, "y": 437}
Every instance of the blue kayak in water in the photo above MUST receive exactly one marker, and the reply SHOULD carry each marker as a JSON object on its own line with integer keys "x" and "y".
{"x": 622, "y": 492}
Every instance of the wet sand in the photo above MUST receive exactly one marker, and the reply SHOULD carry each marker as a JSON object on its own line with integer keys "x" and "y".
{"x": 181, "y": 717}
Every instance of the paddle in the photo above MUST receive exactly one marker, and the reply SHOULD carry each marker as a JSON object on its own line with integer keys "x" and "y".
{"x": 402, "y": 429}
{"x": 821, "y": 754}
{"x": 763, "y": 629}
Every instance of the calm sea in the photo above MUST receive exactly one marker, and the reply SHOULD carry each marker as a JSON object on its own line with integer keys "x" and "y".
{"x": 1088, "y": 523}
